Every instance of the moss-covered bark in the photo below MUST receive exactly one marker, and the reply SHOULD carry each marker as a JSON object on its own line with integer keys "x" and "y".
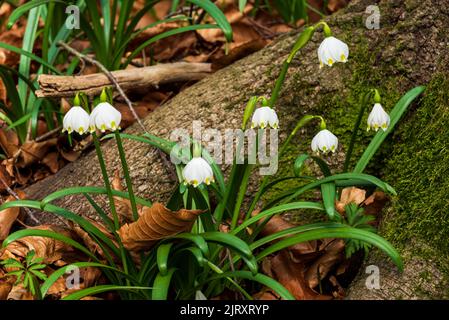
{"x": 405, "y": 52}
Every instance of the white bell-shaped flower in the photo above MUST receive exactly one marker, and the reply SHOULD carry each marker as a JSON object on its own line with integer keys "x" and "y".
{"x": 324, "y": 141}
{"x": 76, "y": 119}
{"x": 378, "y": 118}
{"x": 263, "y": 117}
{"x": 197, "y": 171}
{"x": 332, "y": 50}
{"x": 105, "y": 117}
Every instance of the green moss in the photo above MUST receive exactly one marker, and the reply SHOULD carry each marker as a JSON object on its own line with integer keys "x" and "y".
{"x": 418, "y": 168}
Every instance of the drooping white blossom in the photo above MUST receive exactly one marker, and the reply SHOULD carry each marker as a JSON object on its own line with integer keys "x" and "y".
{"x": 76, "y": 119}
{"x": 324, "y": 141}
{"x": 197, "y": 171}
{"x": 332, "y": 50}
{"x": 263, "y": 117}
{"x": 105, "y": 117}
{"x": 378, "y": 118}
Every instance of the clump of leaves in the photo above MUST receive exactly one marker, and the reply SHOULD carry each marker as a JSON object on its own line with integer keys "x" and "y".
{"x": 355, "y": 217}
{"x": 28, "y": 272}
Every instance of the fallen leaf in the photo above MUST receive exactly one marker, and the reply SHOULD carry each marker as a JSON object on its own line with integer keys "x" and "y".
{"x": 9, "y": 216}
{"x": 49, "y": 249}
{"x": 18, "y": 292}
{"x": 350, "y": 195}
{"x": 5, "y": 178}
{"x": 51, "y": 161}
{"x": 154, "y": 224}
{"x": 9, "y": 142}
{"x": 333, "y": 253}
{"x": 32, "y": 151}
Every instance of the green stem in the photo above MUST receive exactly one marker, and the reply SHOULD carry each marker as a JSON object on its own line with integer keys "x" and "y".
{"x": 241, "y": 196}
{"x": 300, "y": 43}
{"x": 132, "y": 198}
{"x": 106, "y": 180}
{"x": 301, "y": 123}
{"x": 363, "y": 103}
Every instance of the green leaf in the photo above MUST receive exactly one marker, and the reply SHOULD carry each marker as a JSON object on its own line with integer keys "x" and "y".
{"x": 217, "y": 15}
{"x": 95, "y": 190}
{"x": 228, "y": 240}
{"x": 24, "y": 8}
{"x": 29, "y": 55}
{"x": 380, "y": 136}
{"x": 303, "y": 157}
{"x": 278, "y": 209}
{"x": 85, "y": 224}
{"x": 345, "y": 232}
{"x": 161, "y": 285}
{"x": 261, "y": 278}
{"x": 163, "y": 252}
{"x": 100, "y": 289}
{"x": 61, "y": 271}
{"x": 165, "y": 35}
{"x": 45, "y": 233}
{"x": 242, "y": 5}
{"x": 196, "y": 239}
{"x": 329, "y": 194}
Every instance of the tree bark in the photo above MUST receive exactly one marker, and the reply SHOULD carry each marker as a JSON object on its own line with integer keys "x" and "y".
{"x": 128, "y": 79}
{"x": 409, "y": 49}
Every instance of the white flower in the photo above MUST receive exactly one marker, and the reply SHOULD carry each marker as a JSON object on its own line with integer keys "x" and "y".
{"x": 197, "y": 171}
{"x": 76, "y": 119}
{"x": 263, "y": 117}
{"x": 105, "y": 117}
{"x": 324, "y": 141}
{"x": 332, "y": 50}
{"x": 378, "y": 118}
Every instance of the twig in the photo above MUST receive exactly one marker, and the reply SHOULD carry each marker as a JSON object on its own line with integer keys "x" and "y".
{"x": 48, "y": 134}
{"x": 16, "y": 196}
{"x": 113, "y": 80}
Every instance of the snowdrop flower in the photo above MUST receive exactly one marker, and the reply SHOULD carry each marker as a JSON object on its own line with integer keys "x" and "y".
{"x": 332, "y": 50}
{"x": 105, "y": 117}
{"x": 263, "y": 117}
{"x": 76, "y": 119}
{"x": 378, "y": 118}
{"x": 197, "y": 171}
{"x": 324, "y": 141}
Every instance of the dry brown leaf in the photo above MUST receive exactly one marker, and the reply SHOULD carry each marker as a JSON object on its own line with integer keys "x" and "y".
{"x": 291, "y": 276}
{"x": 5, "y": 178}
{"x": 9, "y": 216}
{"x": 51, "y": 161}
{"x": 6, "y": 284}
{"x": 9, "y": 142}
{"x": 18, "y": 292}
{"x": 374, "y": 204}
{"x": 154, "y": 224}
{"x": 32, "y": 151}
{"x": 333, "y": 254}
{"x": 277, "y": 224}
{"x": 350, "y": 195}
{"x": 12, "y": 37}
{"x": 49, "y": 249}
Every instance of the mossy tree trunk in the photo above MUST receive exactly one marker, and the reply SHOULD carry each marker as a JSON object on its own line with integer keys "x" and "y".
{"x": 409, "y": 49}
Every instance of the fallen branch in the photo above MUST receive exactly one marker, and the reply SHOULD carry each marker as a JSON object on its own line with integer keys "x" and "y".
{"x": 146, "y": 77}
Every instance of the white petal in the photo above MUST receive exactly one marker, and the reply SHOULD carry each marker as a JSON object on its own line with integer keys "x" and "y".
{"x": 76, "y": 119}
{"x": 105, "y": 117}
{"x": 197, "y": 171}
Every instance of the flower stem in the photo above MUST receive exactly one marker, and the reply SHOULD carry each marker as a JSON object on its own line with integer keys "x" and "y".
{"x": 363, "y": 103}
{"x": 106, "y": 180}
{"x": 302, "y": 40}
{"x": 132, "y": 198}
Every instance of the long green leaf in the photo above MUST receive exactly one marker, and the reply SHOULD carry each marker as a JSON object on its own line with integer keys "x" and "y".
{"x": 29, "y": 55}
{"x": 261, "y": 278}
{"x": 272, "y": 211}
{"x": 95, "y": 190}
{"x": 217, "y": 15}
{"x": 100, "y": 289}
{"x": 336, "y": 232}
{"x": 161, "y": 285}
{"x": 163, "y": 252}
{"x": 24, "y": 8}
